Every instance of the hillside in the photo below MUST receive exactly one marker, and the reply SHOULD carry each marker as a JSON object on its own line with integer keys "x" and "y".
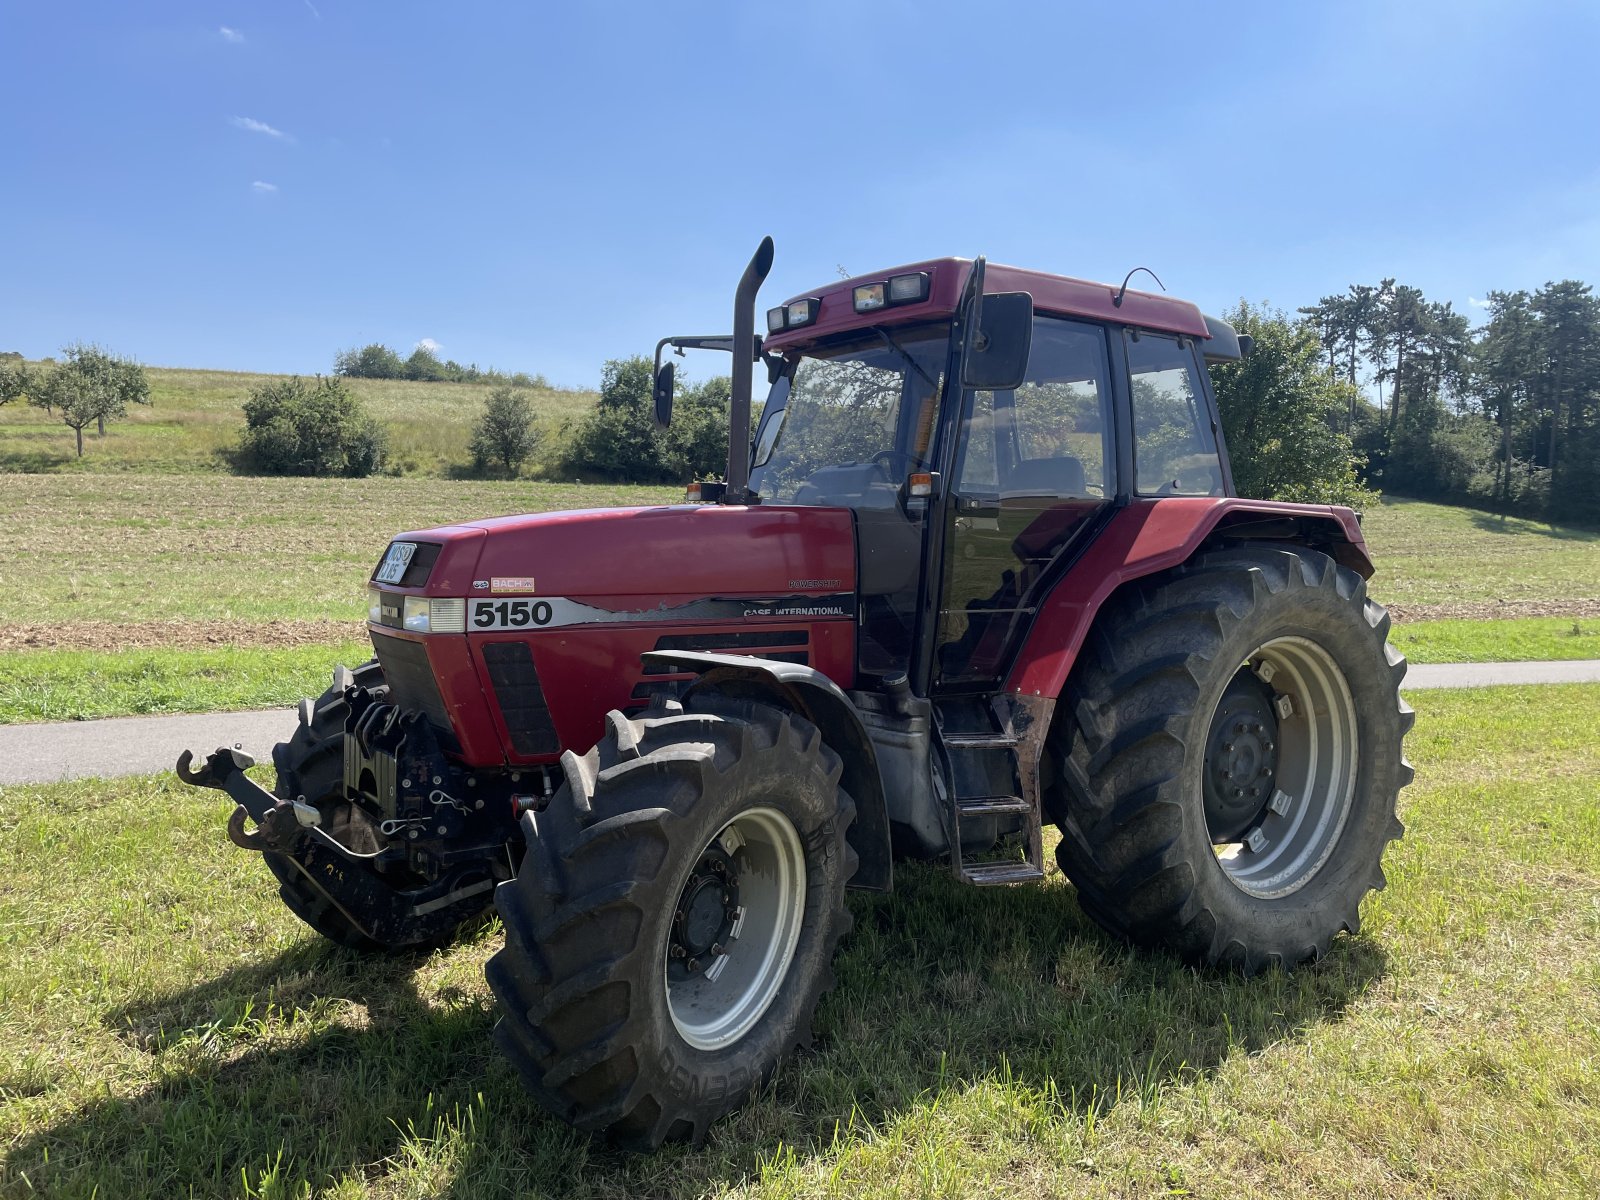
{"x": 196, "y": 415}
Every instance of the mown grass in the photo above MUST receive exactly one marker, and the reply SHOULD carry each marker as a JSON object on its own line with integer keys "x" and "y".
{"x": 1529, "y": 639}
{"x": 195, "y": 418}
{"x": 151, "y": 547}
{"x": 1440, "y": 554}
{"x": 76, "y": 685}
{"x": 147, "y": 547}
{"x": 171, "y": 1030}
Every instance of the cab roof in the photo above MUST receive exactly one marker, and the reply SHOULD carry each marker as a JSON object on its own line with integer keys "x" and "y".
{"x": 947, "y": 278}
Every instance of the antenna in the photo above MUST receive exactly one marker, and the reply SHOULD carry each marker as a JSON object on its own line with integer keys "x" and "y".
{"x": 1116, "y": 301}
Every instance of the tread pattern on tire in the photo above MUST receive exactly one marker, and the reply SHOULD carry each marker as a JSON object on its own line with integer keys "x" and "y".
{"x": 1123, "y": 725}
{"x": 570, "y": 976}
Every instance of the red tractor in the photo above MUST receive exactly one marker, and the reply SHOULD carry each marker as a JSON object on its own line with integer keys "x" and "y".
{"x": 979, "y": 568}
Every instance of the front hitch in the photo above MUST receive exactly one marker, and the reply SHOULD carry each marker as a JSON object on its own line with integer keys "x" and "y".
{"x": 343, "y": 877}
{"x": 280, "y": 824}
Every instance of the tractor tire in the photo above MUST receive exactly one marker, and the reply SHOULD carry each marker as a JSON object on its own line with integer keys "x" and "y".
{"x": 1228, "y": 758}
{"x": 675, "y": 918}
{"x": 310, "y": 767}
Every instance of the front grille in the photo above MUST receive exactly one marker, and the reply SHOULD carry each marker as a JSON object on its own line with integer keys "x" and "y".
{"x": 521, "y": 699}
{"x": 411, "y": 683}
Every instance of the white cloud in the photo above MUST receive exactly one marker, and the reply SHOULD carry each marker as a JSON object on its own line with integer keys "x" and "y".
{"x": 231, "y": 35}
{"x": 261, "y": 185}
{"x": 313, "y": 9}
{"x": 255, "y": 126}
{"x": 1476, "y": 303}
{"x": 431, "y": 346}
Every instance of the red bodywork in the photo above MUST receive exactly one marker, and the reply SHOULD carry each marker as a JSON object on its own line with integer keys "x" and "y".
{"x": 645, "y": 564}
{"x": 1146, "y": 537}
{"x": 948, "y": 276}
{"x": 641, "y": 564}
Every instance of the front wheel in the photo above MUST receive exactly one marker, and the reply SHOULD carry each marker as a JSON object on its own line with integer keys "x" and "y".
{"x": 674, "y": 921}
{"x": 1230, "y": 758}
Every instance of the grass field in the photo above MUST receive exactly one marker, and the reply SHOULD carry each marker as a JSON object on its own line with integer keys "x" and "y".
{"x": 171, "y": 1030}
{"x": 195, "y": 416}
{"x": 76, "y": 685}
{"x": 182, "y": 567}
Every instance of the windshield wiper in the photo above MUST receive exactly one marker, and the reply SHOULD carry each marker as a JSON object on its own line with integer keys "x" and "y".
{"x": 901, "y": 351}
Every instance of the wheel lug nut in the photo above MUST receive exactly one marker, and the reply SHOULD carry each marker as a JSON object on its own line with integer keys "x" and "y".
{"x": 693, "y": 964}
{"x": 1266, "y": 772}
{"x": 1225, "y": 774}
{"x": 1227, "y": 747}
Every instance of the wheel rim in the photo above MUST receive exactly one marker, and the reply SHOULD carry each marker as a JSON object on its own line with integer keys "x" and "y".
{"x": 1301, "y": 759}
{"x": 734, "y": 929}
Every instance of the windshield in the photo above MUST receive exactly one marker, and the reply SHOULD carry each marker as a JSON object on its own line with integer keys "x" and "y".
{"x": 845, "y": 424}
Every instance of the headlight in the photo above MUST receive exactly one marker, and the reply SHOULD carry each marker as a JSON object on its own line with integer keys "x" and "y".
{"x": 435, "y": 614}
{"x": 375, "y": 606}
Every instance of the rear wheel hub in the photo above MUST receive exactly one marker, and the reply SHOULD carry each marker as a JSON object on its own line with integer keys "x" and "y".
{"x": 1241, "y": 758}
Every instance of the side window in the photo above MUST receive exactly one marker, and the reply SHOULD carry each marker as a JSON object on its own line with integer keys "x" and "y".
{"x": 1174, "y": 447}
{"x": 1051, "y": 436}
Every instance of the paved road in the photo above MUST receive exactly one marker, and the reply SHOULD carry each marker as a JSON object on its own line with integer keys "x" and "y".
{"x": 132, "y": 745}
{"x": 145, "y": 745}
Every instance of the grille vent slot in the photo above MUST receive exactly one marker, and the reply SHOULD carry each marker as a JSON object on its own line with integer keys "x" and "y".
{"x": 521, "y": 699}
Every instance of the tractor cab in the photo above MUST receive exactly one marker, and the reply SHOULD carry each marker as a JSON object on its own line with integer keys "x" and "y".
{"x": 980, "y": 423}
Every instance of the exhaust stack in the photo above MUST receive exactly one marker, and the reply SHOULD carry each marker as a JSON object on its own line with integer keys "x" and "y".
{"x": 744, "y": 334}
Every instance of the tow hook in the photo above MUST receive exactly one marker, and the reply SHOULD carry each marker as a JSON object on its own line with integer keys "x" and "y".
{"x": 280, "y": 824}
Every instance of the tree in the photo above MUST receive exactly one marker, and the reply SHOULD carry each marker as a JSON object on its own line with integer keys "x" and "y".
{"x": 294, "y": 427}
{"x": 374, "y": 361}
{"x": 424, "y": 365}
{"x": 505, "y": 434}
{"x": 14, "y": 381}
{"x": 1278, "y": 410}
{"x": 90, "y": 385}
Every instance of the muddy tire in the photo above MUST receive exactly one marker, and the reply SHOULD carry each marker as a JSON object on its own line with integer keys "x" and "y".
{"x": 675, "y": 918}
{"x": 310, "y": 766}
{"x": 1228, "y": 755}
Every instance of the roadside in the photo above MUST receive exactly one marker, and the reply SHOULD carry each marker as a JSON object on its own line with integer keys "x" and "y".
{"x": 48, "y": 753}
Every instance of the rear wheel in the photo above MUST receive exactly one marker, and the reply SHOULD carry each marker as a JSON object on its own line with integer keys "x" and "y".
{"x": 675, "y": 918}
{"x": 1229, "y": 757}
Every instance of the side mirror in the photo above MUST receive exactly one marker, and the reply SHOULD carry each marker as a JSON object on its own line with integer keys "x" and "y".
{"x": 663, "y": 394}
{"x": 998, "y": 338}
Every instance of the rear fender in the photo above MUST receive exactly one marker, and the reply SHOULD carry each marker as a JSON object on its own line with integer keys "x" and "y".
{"x": 1148, "y": 536}
{"x": 810, "y": 694}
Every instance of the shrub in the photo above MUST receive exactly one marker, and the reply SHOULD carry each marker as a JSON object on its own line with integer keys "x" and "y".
{"x": 295, "y": 427}
{"x": 504, "y": 437}
{"x": 618, "y": 440}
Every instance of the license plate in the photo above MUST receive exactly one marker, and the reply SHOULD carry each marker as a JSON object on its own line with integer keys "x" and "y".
{"x": 393, "y": 567}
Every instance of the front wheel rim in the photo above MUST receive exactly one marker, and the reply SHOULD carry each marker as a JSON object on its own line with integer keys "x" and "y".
{"x": 734, "y": 929}
{"x": 1315, "y": 754}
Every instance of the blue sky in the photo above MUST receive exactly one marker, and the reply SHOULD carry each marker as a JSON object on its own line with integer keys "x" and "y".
{"x": 541, "y": 187}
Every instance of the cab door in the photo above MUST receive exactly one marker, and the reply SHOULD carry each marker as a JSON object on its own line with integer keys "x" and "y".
{"x": 1034, "y": 469}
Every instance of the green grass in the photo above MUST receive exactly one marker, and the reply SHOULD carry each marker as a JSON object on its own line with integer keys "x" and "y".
{"x": 1437, "y": 554}
{"x": 139, "y": 548}
{"x": 170, "y": 1030}
{"x": 195, "y": 416}
{"x": 1531, "y": 639}
{"x": 75, "y": 685}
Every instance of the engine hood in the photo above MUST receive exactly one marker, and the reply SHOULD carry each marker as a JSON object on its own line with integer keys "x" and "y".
{"x": 639, "y": 560}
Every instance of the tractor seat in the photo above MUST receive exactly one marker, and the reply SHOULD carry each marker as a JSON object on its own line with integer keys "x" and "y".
{"x": 1061, "y": 476}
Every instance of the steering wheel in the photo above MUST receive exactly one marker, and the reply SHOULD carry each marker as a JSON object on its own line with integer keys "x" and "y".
{"x": 884, "y": 457}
